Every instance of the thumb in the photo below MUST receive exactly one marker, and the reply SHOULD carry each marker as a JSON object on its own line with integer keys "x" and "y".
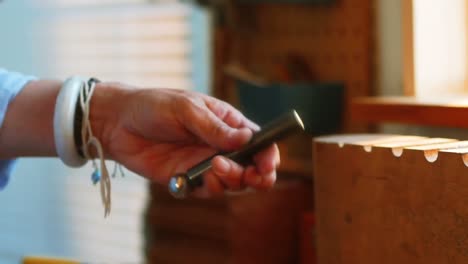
{"x": 215, "y": 132}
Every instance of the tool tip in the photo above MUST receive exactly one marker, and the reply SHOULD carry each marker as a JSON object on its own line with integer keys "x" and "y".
{"x": 298, "y": 119}
{"x": 178, "y": 186}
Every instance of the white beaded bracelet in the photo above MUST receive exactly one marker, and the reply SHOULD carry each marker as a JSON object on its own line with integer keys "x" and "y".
{"x": 64, "y": 121}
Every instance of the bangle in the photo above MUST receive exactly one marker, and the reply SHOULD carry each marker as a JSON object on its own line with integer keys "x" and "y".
{"x": 74, "y": 137}
{"x": 64, "y": 122}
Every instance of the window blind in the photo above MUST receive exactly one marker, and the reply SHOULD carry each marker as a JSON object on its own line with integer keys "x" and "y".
{"x": 148, "y": 45}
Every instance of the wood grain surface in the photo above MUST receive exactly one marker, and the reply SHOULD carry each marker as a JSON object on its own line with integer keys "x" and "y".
{"x": 375, "y": 207}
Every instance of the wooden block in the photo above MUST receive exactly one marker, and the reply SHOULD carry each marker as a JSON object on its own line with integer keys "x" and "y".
{"x": 375, "y": 207}
{"x": 307, "y": 233}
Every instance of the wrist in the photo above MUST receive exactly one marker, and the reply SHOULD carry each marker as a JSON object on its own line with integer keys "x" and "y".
{"x": 105, "y": 111}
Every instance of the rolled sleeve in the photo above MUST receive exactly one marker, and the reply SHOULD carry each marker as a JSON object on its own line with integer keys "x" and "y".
{"x": 11, "y": 83}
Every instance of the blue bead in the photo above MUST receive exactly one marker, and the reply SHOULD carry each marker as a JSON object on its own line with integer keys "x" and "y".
{"x": 96, "y": 176}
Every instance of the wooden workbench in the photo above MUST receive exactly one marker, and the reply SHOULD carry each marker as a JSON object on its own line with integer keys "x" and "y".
{"x": 391, "y": 199}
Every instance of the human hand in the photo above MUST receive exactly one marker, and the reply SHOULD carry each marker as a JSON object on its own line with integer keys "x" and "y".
{"x": 160, "y": 132}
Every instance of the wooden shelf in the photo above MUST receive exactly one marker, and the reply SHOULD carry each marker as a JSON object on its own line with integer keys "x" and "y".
{"x": 448, "y": 111}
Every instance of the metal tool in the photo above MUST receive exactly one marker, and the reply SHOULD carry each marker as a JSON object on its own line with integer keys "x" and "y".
{"x": 182, "y": 184}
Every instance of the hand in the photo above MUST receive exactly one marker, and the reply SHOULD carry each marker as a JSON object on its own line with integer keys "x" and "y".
{"x": 160, "y": 132}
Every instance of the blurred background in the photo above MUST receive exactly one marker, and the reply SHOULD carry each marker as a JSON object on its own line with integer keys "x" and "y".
{"x": 51, "y": 210}
{"x": 263, "y": 56}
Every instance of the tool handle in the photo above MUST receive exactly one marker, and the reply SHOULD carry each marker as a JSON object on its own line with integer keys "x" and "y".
{"x": 270, "y": 133}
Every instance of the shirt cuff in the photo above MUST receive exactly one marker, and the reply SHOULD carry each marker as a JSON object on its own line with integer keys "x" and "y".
{"x": 6, "y": 167}
{"x": 11, "y": 83}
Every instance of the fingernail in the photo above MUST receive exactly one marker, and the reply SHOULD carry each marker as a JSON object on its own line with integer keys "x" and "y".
{"x": 223, "y": 167}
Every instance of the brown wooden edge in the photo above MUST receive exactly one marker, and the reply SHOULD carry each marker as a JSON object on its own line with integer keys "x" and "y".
{"x": 381, "y": 110}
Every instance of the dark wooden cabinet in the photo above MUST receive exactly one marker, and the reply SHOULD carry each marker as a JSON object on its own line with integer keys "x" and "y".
{"x": 252, "y": 227}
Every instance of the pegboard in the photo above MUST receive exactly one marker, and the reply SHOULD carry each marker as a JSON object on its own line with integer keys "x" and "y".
{"x": 336, "y": 39}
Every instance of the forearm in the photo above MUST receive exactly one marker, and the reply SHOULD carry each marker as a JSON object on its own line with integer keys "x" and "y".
{"x": 27, "y": 129}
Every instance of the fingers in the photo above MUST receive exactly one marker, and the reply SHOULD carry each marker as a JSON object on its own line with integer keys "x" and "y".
{"x": 268, "y": 160}
{"x": 215, "y": 122}
{"x": 214, "y": 131}
{"x": 258, "y": 181}
{"x": 224, "y": 175}
{"x": 229, "y": 114}
{"x": 229, "y": 172}
{"x": 223, "y": 127}
{"x": 212, "y": 186}
{"x": 229, "y": 175}
{"x": 263, "y": 174}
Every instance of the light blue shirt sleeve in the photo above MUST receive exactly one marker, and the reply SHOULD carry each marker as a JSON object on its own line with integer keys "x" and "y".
{"x": 11, "y": 84}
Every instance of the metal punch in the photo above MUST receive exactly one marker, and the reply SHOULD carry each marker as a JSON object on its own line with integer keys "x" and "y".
{"x": 180, "y": 185}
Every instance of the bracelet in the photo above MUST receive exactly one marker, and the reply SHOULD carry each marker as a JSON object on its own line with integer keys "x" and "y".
{"x": 64, "y": 124}
{"x": 100, "y": 173}
{"x": 74, "y": 137}
{"x": 79, "y": 122}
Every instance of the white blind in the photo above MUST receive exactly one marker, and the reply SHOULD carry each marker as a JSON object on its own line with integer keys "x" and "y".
{"x": 147, "y": 45}
{"x": 140, "y": 44}
{"x": 48, "y": 209}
